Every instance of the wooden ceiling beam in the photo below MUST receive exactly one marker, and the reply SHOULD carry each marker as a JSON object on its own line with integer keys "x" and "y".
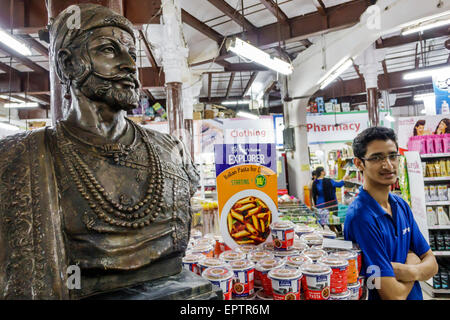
{"x": 275, "y": 10}
{"x": 233, "y": 14}
{"x": 230, "y": 84}
{"x": 201, "y": 27}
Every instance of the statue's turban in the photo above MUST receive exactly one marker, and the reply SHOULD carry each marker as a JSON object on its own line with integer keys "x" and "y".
{"x": 67, "y": 26}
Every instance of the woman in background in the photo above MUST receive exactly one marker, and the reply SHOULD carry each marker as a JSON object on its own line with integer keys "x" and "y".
{"x": 324, "y": 190}
{"x": 443, "y": 126}
{"x": 419, "y": 128}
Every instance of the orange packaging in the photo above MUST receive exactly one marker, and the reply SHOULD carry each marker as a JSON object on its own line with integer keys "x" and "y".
{"x": 351, "y": 256}
{"x": 339, "y": 268}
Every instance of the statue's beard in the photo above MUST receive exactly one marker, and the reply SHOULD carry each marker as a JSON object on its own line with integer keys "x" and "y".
{"x": 100, "y": 89}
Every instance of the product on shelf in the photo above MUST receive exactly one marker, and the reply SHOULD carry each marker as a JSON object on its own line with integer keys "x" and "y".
{"x": 286, "y": 283}
{"x": 221, "y": 277}
{"x": 282, "y": 235}
{"x": 243, "y": 281}
{"x": 316, "y": 281}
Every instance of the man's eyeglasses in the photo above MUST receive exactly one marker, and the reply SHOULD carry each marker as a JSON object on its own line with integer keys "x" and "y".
{"x": 393, "y": 158}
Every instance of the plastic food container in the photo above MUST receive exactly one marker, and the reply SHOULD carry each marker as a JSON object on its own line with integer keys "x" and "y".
{"x": 359, "y": 259}
{"x": 297, "y": 260}
{"x": 301, "y": 229}
{"x": 232, "y": 255}
{"x": 196, "y": 234}
{"x": 268, "y": 246}
{"x": 326, "y": 234}
{"x": 300, "y": 245}
{"x": 221, "y": 277}
{"x": 282, "y": 235}
{"x": 205, "y": 249}
{"x": 314, "y": 254}
{"x": 244, "y": 275}
{"x": 210, "y": 262}
{"x": 248, "y": 248}
{"x": 255, "y": 257}
{"x": 351, "y": 257}
{"x": 191, "y": 262}
{"x": 361, "y": 280}
{"x": 312, "y": 239}
{"x": 354, "y": 290}
{"x": 260, "y": 295}
{"x": 264, "y": 266}
{"x": 316, "y": 281}
{"x": 203, "y": 241}
{"x": 339, "y": 269}
{"x": 285, "y": 254}
{"x": 340, "y": 296}
{"x": 286, "y": 283}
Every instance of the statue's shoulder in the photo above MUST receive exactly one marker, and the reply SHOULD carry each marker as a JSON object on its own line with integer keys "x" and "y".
{"x": 160, "y": 136}
{"x": 21, "y": 142}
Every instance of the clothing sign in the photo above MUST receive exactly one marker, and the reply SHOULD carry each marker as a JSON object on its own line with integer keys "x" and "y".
{"x": 247, "y": 192}
{"x": 339, "y": 127}
{"x": 416, "y": 187}
{"x": 248, "y": 131}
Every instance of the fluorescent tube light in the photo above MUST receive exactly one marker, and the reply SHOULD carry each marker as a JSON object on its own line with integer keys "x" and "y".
{"x": 425, "y": 73}
{"x": 389, "y": 118}
{"x": 231, "y": 103}
{"x": 423, "y": 111}
{"x": 252, "y": 53}
{"x": 21, "y": 105}
{"x": 247, "y": 115}
{"x": 427, "y": 25}
{"x": 14, "y": 44}
{"x": 422, "y": 97}
{"x": 330, "y": 76}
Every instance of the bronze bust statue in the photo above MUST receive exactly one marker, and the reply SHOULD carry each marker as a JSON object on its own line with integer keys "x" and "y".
{"x": 97, "y": 191}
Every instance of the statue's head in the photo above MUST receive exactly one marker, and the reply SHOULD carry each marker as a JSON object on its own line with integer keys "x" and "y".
{"x": 94, "y": 51}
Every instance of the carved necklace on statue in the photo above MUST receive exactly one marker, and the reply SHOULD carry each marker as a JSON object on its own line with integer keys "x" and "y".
{"x": 137, "y": 215}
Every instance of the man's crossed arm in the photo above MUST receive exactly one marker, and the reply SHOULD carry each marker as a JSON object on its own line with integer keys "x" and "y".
{"x": 414, "y": 269}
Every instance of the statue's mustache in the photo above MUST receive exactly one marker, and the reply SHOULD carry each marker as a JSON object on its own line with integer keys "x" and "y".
{"x": 119, "y": 77}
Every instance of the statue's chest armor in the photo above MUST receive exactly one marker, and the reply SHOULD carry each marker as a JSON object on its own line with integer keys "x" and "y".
{"x": 137, "y": 204}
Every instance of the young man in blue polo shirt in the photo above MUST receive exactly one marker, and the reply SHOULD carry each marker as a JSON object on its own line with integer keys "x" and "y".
{"x": 395, "y": 254}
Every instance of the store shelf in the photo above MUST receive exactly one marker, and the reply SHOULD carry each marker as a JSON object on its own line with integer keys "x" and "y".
{"x": 444, "y": 227}
{"x": 428, "y": 179}
{"x": 442, "y": 253}
{"x": 428, "y": 287}
{"x": 435, "y": 155}
{"x": 438, "y": 203}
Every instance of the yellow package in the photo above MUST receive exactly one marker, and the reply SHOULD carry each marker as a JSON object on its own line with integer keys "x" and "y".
{"x": 443, "y": 166}
{"x": 448, "y": 165}
{"x": 431, "y": 170}
{"x": 438, "y": 169}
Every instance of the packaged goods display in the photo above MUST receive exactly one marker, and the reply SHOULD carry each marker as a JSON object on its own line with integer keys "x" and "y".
{"x": 286, "y": 284}
{"x": 438, "y": 168}
{"x": 314, "y": 254}
{"x": 316, "y": 281}
{"x": 282, "y": 235}
{"x": 221, "y": 277}
{"x": 439, "y": 240}
{"x": 191, "y": 262}
{"x": 352, "y": 258}
{"x": 244, "y": 276}
{"x": 430, "y": 144}
{"x": 339, "y": 269}
{"x": 301, "y": 271}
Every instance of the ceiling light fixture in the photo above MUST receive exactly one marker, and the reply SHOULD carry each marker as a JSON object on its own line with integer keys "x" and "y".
{"x": 14, "y": 44}
{"x": 427, "y": 25}
{"x": 247, "y": 115}
{"x": 335, "y": 72}
{"x": 425, "y": 73}
{"x": 232, "y": 103}
{"x": 252, "y": 53}
{"x": 21, "y": 105}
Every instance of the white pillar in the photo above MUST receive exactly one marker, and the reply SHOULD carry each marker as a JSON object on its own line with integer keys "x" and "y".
{"x": 298, "y": 159}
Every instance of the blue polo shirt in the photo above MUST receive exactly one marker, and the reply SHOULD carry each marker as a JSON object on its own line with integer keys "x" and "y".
{"x": 384, "y": 239}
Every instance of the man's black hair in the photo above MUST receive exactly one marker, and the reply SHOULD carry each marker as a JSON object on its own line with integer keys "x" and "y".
{"x": 319, "y": 171}
{"x": 370, "y": 134}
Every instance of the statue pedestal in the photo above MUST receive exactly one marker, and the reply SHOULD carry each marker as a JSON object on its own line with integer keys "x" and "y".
{"x": 182, "y": 286}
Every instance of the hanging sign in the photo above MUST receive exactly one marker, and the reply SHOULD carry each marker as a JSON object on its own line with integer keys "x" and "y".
{"x": 247, "y": 192}
{"x": 339, "y": 127}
